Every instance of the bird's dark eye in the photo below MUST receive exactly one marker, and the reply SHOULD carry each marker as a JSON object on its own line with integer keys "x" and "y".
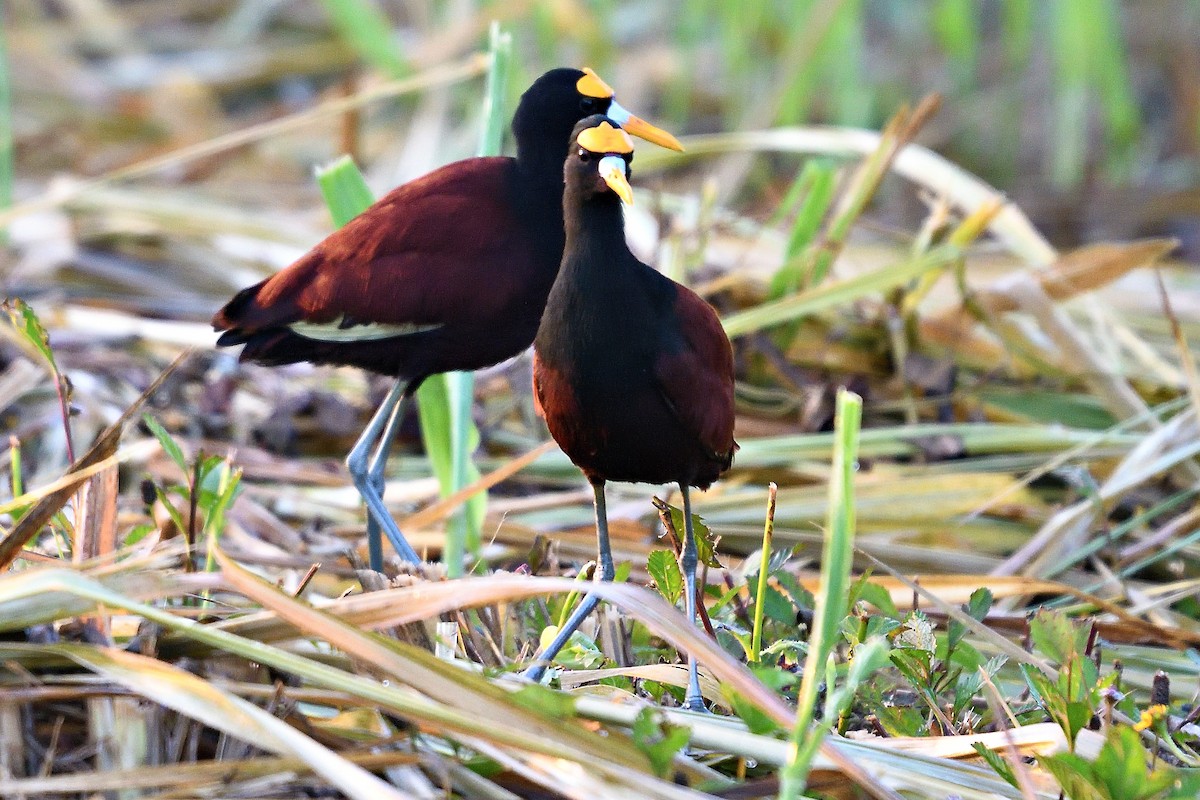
{"x": 589, "y": 105}
{"x": 585, "y": 155}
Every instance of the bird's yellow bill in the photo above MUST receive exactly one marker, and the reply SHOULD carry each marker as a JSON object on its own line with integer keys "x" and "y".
{"x": 612, "y": 170}
{"x": 644, "y": 130}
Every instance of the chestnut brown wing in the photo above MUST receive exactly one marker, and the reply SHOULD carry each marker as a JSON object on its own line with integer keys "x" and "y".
{"x": 418, "y": 256}
{"x": 697, "y": 379}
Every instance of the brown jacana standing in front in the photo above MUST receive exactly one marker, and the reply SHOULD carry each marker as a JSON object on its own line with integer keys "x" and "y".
{"x": 632, "y": 371}
{"x": 447, "y": 272}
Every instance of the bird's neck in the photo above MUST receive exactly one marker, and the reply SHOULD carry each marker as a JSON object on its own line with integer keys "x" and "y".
{"x": 540, "y": 155}
{"x": 595, "y": 232}
{"x": 585, "y": 311}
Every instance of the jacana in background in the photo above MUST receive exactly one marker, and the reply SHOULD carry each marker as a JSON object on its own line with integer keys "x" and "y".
{"x": 632, "y": 372}
{"x": 447, "y": 272}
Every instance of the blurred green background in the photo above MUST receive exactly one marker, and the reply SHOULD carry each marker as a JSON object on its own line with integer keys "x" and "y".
{"x": 1086, "y": 111}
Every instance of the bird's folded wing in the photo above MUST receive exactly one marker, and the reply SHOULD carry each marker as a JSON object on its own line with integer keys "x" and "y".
{"x": 416, "y": 257}
{"x": 697, "y": 379}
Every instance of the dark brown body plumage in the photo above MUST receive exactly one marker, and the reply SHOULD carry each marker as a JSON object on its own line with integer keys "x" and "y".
{"x": 633, "y": 372}
{"x": 463, "y": 256}
{"x": 462, "y": 259}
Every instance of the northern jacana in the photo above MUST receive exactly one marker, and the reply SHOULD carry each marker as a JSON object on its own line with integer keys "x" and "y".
{"x": 447, "y": 272}
{"x": 632, "y": 371}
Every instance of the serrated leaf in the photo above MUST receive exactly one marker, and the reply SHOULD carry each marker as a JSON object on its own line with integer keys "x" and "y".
{"x": 913, "y": 665}
{"x": 1056, "y": 635}
{"x": 777, "y": 607}
{"x": 704, "y": 536}
{"x": 917, "y": 633}
{"x": 801, "y": 597}
{"x": 665, "y": 572}
{"x": 1120, "y": 766}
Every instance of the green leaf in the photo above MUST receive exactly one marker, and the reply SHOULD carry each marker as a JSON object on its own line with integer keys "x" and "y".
{"x": 492, "y": 137}
{"x": 30, "y": 327}
{"x": 580, "y": 651}
{"x": 838, "y": 293}
{"x": 757, "y": 721}
{"x": 138, "y": 533}
{"x": 815, "y": 206}
{"x": 775, "y": 677}
{"x": 792, "y": 648}
{"x": 777, "y": 607}
{"x": 914, "y": 665}
{"x": 1053, "y": 634}
{"x": 169, "y": 446}
{"x": 877, "y": 596}
{"x": 228, "y": 488}
{"x": 659, "y": 739}
{"x": 980, "y": 603}
{"x": 801, "y": 597}
{"x": 1074, "y": 775}
{"x": 997, "y": 762}
{"x": 977, "y": 608}
{"x": 1120, "y": 768}
{"x": 704, "y": 536}
{"x": 665, "y": 572}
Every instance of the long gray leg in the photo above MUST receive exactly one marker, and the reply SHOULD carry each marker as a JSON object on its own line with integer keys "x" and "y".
{"x": 543, "y": 659}
{"x": 693, "y": 700}
{"x": 366, "y": 463}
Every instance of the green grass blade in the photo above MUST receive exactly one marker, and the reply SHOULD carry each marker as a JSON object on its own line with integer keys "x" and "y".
{"x": 492, "y": 138}
{"x": 458, "y": 388}
{"x": 763, "y": 570}
{"x": 368, "y": 31}
{"x": 834, "y": 294}
{"x": 836, "y": 559}
{"x": 345, "y": 190}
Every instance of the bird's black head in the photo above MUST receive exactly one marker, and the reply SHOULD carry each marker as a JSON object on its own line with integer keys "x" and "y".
{"x": 555, "y": 102}
{"x": 599, "y": 161}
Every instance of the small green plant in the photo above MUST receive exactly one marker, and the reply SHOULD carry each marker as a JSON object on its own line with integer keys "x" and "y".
{"x": 33, "y": 334}
{"x": 1120, "y": 772}
{"x": 197, "y": 504}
